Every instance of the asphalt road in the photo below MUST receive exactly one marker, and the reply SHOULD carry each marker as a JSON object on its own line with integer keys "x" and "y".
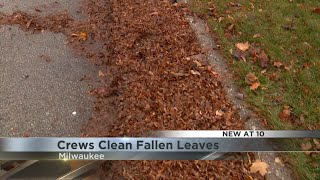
{"x": 42, "y": 7}
{"x": 40, "y": 89}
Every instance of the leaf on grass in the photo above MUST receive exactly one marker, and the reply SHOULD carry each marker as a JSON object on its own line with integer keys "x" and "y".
{"x": 258, "y": 35}
{"x": 251, "y": 78}
{"x": 259, "y": 166}
{"x": 274, "y": 76}
{"x": 285, "y": 113}
{"x": 316, "y": 10}
{"x": 264, "y": 60}
{"x": 317, "y": 143}
{"x": 306, "y": 90}
{"x": 307, "y": 44}
{"x": 255, "y": 86}
{"x": 243, "y": 46}
{"x": 306, "y": 146}
{"x": 231, "y": 27}
{"x": 288, "y": 67}
{"x": 277, "y": 64}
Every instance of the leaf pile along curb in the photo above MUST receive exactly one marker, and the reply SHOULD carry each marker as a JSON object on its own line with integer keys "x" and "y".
{"x": 155, "y": 81}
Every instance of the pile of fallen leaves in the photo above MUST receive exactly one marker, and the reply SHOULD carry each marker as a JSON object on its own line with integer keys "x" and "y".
{"x": 154, "y": 81}
{"x": 151, "y": 79}
{"x": 154, "y": 77}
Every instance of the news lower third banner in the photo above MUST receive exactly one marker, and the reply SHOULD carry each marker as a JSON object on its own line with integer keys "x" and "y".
{"x": 160, "y": 145}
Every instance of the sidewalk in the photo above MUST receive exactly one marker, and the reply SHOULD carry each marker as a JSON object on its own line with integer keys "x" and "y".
{"x": 40, "y": 89}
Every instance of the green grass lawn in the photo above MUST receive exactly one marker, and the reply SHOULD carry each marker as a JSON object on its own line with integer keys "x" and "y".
{"x": 289, "y": 33}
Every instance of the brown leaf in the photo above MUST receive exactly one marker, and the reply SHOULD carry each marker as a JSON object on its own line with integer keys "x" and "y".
{"x": 255, "y": 86}
{"x": 29, "y": 23}
{"x": 316, "y": 10}
{"x": 101, "y": 74}
{"x": 154, "y": 13}
{"x": 243, "y": 46}
{"x": 277, "y": 160}
{"x": 83, "y": 36}
{"x": 305, "y": 90}
{"x": 301, "y": 119}
{"x": 285, "y": 113}
{"x": 179, "y": 74}
{"x": 264, "y": 60}
{"x": 198, "y": 63}
{"x": 228, "y": 118}
{"x": 231, "y": 27}
{"x": 307, "y": 44}
{"x": 251, "y": 78}
{"x": 306, "y": 146}
{"x": 317, "y": 143}
{"x": 219, "y": 113}
{"x": 211, "y": 71}
{"x": 258, "y": 35}
{"x": 277, "y": 64}
{"x": 195, "y": 72}
{"x": 288, "y": 67}
{"x": 232, "y": 4}
{"x": 274, "y": 76}
{"x": 259, "y": 166}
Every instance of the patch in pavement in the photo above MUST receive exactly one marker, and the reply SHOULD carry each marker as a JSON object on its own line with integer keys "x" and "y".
{"x": 40, "y": 87}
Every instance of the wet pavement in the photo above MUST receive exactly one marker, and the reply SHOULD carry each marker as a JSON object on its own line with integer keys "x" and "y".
{"x": 42, "y": 8}
{"x": 40, "y": 89}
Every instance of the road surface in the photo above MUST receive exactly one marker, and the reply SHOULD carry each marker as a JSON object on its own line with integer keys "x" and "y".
{"x": 40, "y": 89}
